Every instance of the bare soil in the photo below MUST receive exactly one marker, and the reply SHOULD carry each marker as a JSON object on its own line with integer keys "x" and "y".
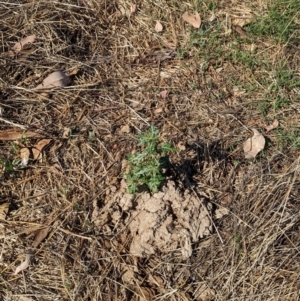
{"x": 162, "y": 222}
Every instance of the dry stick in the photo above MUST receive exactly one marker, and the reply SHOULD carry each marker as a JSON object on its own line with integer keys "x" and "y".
{"x": 167, "y": 294}
{"x": 108, "y": 108}
{"x": 74, "y": 234}
{"x": 14, "y": 124}
{"x": 131, "y": 109}
{"x": 209, "y": 217}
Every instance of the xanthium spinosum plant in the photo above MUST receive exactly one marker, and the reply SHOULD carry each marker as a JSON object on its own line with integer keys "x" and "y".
{"x": 146, "y": 164}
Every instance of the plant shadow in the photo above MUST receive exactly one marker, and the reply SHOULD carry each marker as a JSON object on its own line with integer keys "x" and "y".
{"x": 202, "y": 156}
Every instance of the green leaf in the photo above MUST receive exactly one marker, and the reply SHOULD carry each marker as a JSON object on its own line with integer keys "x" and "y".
{"x": 145, "y": 165}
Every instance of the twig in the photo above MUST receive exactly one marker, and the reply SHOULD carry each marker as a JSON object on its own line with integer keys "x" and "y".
{"x": 12, "y": 123}
{"x": 71, "y": 233}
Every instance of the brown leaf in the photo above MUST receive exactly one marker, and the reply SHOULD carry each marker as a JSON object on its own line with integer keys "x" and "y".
{"x": 272, "y": 126}
{"x": 15, "y": 134}
{"x": 25, "y": 264}
{"x": 204, "y": 293}
{"x": 164, "y": 54}
{"x": 158, "y": 27}
{"x": 133, "y": 9}
{"x": 245, "y": 18}
{"x": 254, "y": 145}
{"x": 125, "y": 129}
{"x": 66, "y": 133}
{"x": 41, "y": 234}
{"x": 24, "y": 155}
{"x": 24, "y": 54}
{"x": 181, "y": 146}
{"x": 146, "y": 294}
{"x": 57, "y": 79}
{"x": 160, "y": 55}
{"x": 38, "y": 147}
{"x": 220, "y": 212}
{"x": 163, "y": 94}
{"x": 74, "y": 71}
{"x": 4, "y": 210}
{"x": 157, "y": 280}
{"x": 158, "y": 111}
{"x": 194, "y": 20}
{"x": 240, "y": 31}
{"x": 19, "y": 45}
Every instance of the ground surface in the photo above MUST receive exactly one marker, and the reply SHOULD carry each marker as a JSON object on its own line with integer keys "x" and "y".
{"x": 222, "y": 227}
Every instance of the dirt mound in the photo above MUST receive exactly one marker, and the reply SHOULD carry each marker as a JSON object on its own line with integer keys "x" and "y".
{"x": 165, "y": 221}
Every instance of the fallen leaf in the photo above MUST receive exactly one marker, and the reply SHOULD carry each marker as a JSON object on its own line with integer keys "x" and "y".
{"x": 158, "y": 56}
{"x": 220, "y": 212}
{"x": 194, "y": 20}
{"x": 66, "y": 132}
{"x": 242, "y": 20}
{"x": 157, "y": 280}
{"x": 41, "y": 234}
{"x": 186, "y": 249}
{"x": 30, "y": 229}
{"x": 55, "y": 169}
{"x": 24, "y": 298}
{"x": 181, "y": 146}
{"x": 15, "y": 134}
{"x": 4, "y": 210}
{"x": 212, "y": 17}
{"x": 57, "y": 79}
{"x": 240, "y": 31}
{"x": 19, "y": 45}
{"x": 272, "y": 126}
{"x": 169, "y": 45}
{"x": 146, "y": 293}
{"x": 38, "y": 147}
{"x": 237, "y": 92}
{"x": 74, "y": 71}
{"x": 24, "y": 155}
{"x": 158, "y": 27}
{"x": 24, "y": 54}
{"x": 158, "y": 111}
{"x": 125, "y": 129}
{"x": 163, "y": 94}
{"x": 133, "y": 8}
{"x": 120, "y": 12}
{"x": 254, "y": 145}
{"x": 25, "y": 264}
{"x": 204, "y": 293}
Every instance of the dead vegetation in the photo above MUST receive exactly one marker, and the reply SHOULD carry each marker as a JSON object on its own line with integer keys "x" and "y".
{"x": 65, "y": 233}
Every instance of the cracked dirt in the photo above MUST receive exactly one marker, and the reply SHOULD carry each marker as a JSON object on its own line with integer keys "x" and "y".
{"x": 165, "y": 221}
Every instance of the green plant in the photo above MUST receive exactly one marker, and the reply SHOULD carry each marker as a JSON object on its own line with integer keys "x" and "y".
{"x": 146, "y": 164}
{"x": 285, "y": 79}
{"x": 8, "y": 165}
{"x": 91, "y": 136}
{"x": 289, "y": 138}
{"x": 15, "y": 148}
{"x": 237, "y": 243}
{"x": 280, "y": 22}
{"x": 280, "y": 102}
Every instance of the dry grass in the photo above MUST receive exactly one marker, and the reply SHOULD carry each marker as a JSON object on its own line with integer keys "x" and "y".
{"x": 220, "y": 84}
